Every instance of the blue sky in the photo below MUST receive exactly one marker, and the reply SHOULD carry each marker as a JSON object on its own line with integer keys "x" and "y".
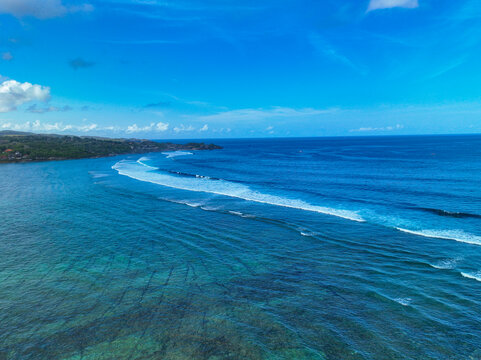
{"x": 231, "y": 68}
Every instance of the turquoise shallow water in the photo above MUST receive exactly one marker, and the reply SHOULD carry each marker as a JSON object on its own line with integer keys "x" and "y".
{"x": 268, "y": 249}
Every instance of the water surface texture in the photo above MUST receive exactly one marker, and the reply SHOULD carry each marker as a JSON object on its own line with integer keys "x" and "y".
{"x": 345, "y": 248}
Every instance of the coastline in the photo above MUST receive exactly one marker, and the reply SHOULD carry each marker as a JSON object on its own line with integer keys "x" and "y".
{"x": 27, "y": 161}
{"x": 26, "y": 147}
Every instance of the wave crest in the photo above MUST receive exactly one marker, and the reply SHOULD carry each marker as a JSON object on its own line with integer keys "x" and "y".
{"x": 476, "y": 276}
{"x": 173, "y": 154}
{"x": 456, "y": 235}
{"x": 142, "y": 172}
{"x": 446, "y": 264}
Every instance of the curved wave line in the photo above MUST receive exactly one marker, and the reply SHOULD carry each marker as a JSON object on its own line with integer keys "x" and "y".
{"x": 456, "y": 235}
{"x": 225, "y": 188}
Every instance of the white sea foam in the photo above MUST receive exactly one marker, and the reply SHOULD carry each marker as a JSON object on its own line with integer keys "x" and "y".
{"x": 188, "y": 203}
{"x": 309, "y": 233}
{"x": 403, "y": 301}
{"x": 476, "y": 276}
{"x": 456, "y": 235}
{"x": 172, "y": 154}
{"x": 192, "y": 204}
{"x": 210, "y": 208}
{"x": 238, "y": 213}
{"x": 98, "y": 175}
{"x": 446, "y": 264}
{"x": 142, "y": 172}
{"x": 142, "y": 160}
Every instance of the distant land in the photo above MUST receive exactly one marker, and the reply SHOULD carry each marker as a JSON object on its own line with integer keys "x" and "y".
{"x": 18, "y": 146}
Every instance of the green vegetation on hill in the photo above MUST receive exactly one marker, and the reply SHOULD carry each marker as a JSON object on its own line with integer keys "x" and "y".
{"x": 16, "y": 146}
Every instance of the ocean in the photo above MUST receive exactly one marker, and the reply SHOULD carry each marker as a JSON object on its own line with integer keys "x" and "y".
{"x": 312, "y": 248}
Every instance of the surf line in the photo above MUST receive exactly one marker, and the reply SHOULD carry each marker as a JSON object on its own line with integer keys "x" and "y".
{"x": 143, "y": 172}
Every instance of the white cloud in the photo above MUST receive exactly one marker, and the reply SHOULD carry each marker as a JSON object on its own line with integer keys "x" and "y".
{"x": 14, "y": 94}
{"x": 87, "y": 128}
{"x": 387, "y": 4}
{"x": 42, "y": 9}
{"x": 160, "y": 126}
{"x": 134, "y": 128}
{"x": 270, "y": 129}
{"x": 261, "y": 114}
{"x": 7, "y": 56}
{"x": 182, "y": 128}
{"x": 204, "y": 128}
{"x": 387, "y": 128}
{"x": 39, "y": 126}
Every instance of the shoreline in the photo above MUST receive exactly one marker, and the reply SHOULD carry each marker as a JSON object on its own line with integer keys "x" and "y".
{"x": 27, "y": 161}
{"x": 27, "y": 147}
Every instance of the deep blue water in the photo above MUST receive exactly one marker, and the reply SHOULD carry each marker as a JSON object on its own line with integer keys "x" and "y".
{"x": 326, "y": 248}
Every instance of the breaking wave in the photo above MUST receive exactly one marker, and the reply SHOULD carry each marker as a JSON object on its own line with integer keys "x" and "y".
{"x": 476, "y": 276}
{"x": 142, "y": 172}
{"x": 456, "y": 235}
{"x": 403, "y": 301}
{"x": 173, "y": 154}
{"x": 445, "y": 264}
